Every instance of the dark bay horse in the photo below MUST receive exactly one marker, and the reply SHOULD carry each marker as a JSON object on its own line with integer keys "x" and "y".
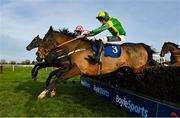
{"x": 34, "y": 43}
{"x": 51, "y": 60}
{"x": 136, "y": 56}
{"x": 174, "y": 50}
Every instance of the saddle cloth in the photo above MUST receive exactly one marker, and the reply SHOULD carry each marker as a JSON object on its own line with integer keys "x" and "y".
{"x": 111, "y": 50}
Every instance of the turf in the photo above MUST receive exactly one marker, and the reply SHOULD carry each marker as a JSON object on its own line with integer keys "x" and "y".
{"x": 18, "y": 97}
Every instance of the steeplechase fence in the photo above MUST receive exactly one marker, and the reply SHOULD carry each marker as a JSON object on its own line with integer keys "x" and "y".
{"x": 129, "y": 101}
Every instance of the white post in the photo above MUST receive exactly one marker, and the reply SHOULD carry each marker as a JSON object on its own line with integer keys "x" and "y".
{"x": 13, "y": 68}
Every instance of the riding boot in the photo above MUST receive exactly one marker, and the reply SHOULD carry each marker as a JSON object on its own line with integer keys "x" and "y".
{"x": 96, "y": 57}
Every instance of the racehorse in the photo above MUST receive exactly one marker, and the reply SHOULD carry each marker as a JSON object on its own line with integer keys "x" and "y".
{"x": 51, "y": 60}
{"x": 134, "y": 55}
{"x": 34, "y": 43}
{"x": 174, "y": 50}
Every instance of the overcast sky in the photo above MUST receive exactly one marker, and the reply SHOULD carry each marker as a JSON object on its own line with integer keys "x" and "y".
{"x": 149, "y": 21}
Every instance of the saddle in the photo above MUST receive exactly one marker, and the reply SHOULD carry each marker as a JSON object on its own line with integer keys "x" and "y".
{"x": 110, "y": 50}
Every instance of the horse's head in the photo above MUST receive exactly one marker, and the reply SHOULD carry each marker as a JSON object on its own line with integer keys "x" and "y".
{"x": 34, "y": 43}
{"x": 51, "y": 40}
{"x": 164, "y": 49}
{"x": 168, "y": 47}
{"x": 44, "y": 46}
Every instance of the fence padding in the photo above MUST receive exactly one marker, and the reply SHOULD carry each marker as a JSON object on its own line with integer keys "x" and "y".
{"x": 159, "y": 82}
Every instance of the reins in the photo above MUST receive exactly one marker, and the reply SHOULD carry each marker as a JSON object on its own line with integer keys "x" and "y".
{"x": 78, "y": 37}
{"x": 57, "y": 47}
{"x": 74, "y": 50}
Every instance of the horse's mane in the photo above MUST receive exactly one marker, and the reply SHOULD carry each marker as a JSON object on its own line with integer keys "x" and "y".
{"x": 66, "y": 32}
{"x": 63, "y": 31}
{"x": 175, "y": 45}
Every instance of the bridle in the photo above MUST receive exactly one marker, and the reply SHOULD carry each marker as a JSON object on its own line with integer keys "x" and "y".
{"x": 55, "y": 47}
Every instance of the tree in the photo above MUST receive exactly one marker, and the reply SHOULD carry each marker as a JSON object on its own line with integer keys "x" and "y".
{"x": 3, "y": 61}
{"x": 12, "y": 62}
{"x": 33, "y": 62}
{"x": 26, "y": 62}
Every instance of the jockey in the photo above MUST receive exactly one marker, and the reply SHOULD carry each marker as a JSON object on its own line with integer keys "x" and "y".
{"x": 108, "y": 23}
{"x": 79, "y": 30}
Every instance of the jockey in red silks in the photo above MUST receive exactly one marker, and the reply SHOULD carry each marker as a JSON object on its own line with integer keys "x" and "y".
{"x": 79, "y": 30}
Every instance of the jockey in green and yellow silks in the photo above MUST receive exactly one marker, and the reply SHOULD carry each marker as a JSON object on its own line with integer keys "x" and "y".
{"x": 115, "y": 28}
{"x": 108, "y": 23}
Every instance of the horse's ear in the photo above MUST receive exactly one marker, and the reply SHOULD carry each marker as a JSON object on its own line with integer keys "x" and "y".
{"x": 37, "y": 36}
{"x": 51, "y": 28}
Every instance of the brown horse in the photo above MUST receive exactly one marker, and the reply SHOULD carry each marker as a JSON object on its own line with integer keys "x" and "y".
{"x": 134, "y": 55}
{"x": 174, "y": 50}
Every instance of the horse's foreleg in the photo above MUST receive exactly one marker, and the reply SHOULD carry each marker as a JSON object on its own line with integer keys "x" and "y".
{"x": 36, "y": 68}
{"x": 52, "y": 74}
{"x": 64, "y": 76}
{"x": 74, "y": 71}
{"x": 67, "y": 75}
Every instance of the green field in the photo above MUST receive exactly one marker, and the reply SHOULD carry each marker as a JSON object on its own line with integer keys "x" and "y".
{"x": 18, "y": 97}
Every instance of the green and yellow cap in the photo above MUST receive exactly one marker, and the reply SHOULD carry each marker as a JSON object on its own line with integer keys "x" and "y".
{"x": 103, "y": 14}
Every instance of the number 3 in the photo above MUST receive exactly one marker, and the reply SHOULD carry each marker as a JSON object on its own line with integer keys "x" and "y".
{"x": 115, "y": 50}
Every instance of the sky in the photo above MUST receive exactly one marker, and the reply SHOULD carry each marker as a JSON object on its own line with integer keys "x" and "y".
{"x": 152, "y": 22}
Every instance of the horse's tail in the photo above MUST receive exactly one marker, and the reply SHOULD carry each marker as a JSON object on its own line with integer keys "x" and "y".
{"x": 150, "y": 52}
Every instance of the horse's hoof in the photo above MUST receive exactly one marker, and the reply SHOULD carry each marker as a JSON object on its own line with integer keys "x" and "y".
{"x": 43, "y": 94}
{"x": 53, "y": 93}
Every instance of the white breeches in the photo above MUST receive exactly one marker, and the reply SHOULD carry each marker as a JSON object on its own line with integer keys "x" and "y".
{"x": 105, "y": 40}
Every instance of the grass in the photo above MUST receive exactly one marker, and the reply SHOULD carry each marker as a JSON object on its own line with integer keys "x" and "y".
{"x": 18, "y": 97}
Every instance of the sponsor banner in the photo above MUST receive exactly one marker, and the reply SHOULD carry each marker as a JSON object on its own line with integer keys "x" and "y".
{"x": 134, "y": 104}
{"x": 102, "y": 90}
{"x": 97, "y": 87}
{"x": 168, "y": 111}
{"x": 129, "y": 102}
{"x": 85, "y": 82}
